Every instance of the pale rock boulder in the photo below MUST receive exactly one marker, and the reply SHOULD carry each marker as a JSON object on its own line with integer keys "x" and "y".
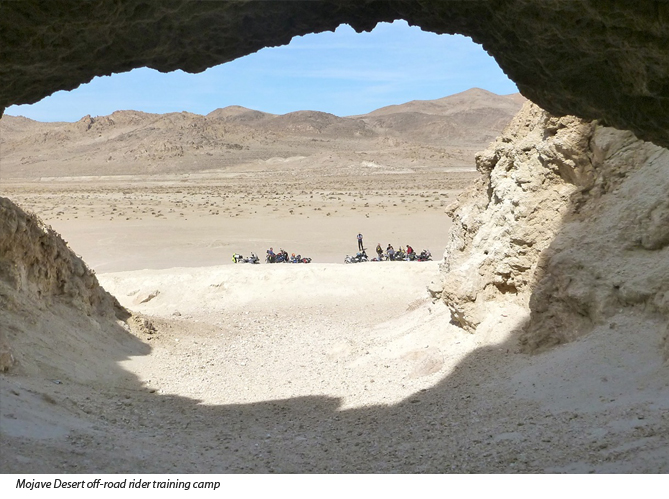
{"x": 506, "y": 220}
{"x": 612, "y": 253}
{"x": 570, "y": 219}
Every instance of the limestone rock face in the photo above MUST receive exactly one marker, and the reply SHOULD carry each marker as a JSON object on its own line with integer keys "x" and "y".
{"x": 597, "y": 60}
{"x": 568, "y": 219}
{"x": 506, "y": 220}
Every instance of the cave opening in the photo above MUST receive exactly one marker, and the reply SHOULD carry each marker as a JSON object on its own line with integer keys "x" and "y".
{"x": 385, "y": 144}
{"x": 264, "y": 380}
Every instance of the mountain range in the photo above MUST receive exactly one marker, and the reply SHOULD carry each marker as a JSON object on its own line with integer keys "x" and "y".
{"x": 442, "y": 133}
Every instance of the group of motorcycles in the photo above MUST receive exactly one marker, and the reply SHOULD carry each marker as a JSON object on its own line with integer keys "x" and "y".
{"x": 282, "y": 257}
{"x": 397, "y": 256}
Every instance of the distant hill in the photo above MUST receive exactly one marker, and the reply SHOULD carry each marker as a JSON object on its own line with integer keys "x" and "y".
{"x": 474, "y": 98}
{"x": 238, "y": 114}
{"x": 473, "y": 117}
{"x": 419, "y": 134}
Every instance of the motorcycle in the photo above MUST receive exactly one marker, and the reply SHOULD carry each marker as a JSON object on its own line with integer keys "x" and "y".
{"x": 280, "y": 257}
{"x": 398, "y": 256}
{"x": 237, "y": 258}
{"x": 424, "y": 256}
{"x": 253, "y": 259}
{"x": 299, "y": 259}
{"x": 358, "y": 258}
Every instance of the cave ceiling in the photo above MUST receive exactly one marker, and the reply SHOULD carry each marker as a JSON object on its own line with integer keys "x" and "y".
{"x": 597, "y": 59}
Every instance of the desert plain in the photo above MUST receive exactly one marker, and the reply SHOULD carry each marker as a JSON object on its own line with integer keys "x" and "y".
{"x": 138, "y": 222}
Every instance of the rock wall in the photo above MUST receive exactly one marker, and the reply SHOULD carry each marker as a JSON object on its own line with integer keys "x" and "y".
{"x": 612, "y": 252}
{"x": 508, "y": 218}
{"x": 44, "y": 287}
{"x": 570, "y": 219}
{"x": 594, "y": 59}
{"x": 37, "y": 264}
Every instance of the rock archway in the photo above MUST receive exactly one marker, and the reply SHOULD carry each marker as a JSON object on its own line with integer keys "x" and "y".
{"x": 568, "y": 227}
{"x": 597, "y": 60}
{"x": 593, "y": 59}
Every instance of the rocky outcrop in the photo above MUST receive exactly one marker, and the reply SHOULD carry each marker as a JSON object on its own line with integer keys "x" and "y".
{"x": 36, "y": 263}
{"x": 568, "y": 219}
{"x": 612, "y": 252}
{"x": 597, "y": 60}
{"x": 504, "y": 222}
{"x": 46, "y": 293}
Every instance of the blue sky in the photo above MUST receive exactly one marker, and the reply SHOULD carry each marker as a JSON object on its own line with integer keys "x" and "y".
{"x": 341, "y": 72}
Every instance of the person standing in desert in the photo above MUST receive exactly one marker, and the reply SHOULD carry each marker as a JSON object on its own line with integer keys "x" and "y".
{"x": 360, "y": 246}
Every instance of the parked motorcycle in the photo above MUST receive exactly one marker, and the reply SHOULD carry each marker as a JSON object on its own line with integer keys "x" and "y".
{"x": 299, "y": 259}
{"x": 237, "y": 258}
{"x": 359, "y": 257}
{"x": 252, "y": 259}
{"x": 280, "y": 257}
{"x": 424, "y": 256}
{"x": 398, "y": 256}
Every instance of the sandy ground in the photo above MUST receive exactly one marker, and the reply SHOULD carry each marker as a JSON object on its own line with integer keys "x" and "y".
{"x": 135, "y": 223}
{"x": 323, "y": 367}
{"x": 303, "y": 372}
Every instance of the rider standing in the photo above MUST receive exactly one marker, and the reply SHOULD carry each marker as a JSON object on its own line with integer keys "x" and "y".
{"x": 360, "y": 247}
{"x": 390, "y": 251}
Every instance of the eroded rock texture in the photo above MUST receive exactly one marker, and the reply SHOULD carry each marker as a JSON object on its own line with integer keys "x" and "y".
{"x": 595, "y": 59}
{"x": 38, "y": 264}
{"x": 570, "y": 219}
{"x": 612, "y": 251}
{"x": 48, "y": 291}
